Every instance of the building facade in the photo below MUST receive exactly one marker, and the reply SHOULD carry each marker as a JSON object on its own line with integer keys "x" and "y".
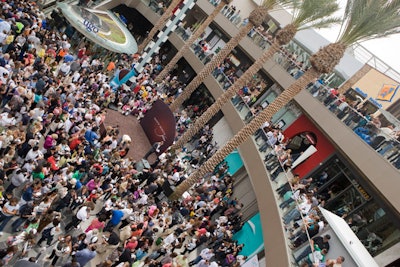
{"x": 360, "y": 184}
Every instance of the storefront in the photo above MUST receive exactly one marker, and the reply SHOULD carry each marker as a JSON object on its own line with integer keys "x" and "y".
{"x": 345, "y": 194}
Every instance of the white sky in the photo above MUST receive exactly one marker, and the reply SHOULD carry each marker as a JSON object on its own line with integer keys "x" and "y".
{"x": 385, "y": 48}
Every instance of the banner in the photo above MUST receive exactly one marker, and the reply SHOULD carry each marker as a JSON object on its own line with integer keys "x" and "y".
{"x": 159, "y": 125}
{"x": 387, "y": 92}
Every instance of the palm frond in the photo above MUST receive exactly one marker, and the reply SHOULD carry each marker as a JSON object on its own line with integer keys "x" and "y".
{"x": 369, "y": 19}
{"x": 315, "y": 13}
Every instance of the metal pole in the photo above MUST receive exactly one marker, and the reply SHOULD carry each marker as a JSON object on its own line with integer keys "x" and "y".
{"x": 154, "y": 47}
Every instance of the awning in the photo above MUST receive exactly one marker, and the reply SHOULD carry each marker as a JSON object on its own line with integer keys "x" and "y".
{"x": 101, "y": 27}
{"x": 350, "y": 241}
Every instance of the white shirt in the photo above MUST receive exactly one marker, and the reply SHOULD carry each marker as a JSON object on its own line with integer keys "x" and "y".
{"x": 176, "y": 177}
{"x": 6, "y": 121}
{"x": 82, "y": 214}
{"x": 206, "y": 254}
{"x": 3, "y": 36}
{"x": 67, "y": 125}
{"x": 10, "y": 208}
{"x": 33, "y": 155}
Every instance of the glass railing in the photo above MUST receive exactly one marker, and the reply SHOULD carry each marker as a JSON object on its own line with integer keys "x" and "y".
{"x": 384, "y": 140}
{"x": 231, "y": 13}
{"x": 297, "y": 233}
{"x": 387, "y": 146}
{"x": 158, "y": 7}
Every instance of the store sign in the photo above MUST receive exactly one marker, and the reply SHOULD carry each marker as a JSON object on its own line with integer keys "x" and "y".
{"x": 375, "y": 102}
{"x": 90, "y": 27}
{"x": 387, "y": 92}
{"x": 361, "y": 190}
{"x": 361, "y": 92}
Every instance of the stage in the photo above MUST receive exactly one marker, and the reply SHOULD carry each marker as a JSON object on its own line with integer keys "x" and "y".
{"x": 130, "y": 125}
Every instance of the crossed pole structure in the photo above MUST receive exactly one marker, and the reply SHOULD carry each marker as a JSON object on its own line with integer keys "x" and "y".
{"x": 154, "y": 47}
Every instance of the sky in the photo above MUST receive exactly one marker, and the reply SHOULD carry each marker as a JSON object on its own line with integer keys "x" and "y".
{"x": 385, "y": 48}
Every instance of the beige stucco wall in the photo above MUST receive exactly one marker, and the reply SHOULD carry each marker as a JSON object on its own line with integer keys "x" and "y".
{"x": 372, "y": 82}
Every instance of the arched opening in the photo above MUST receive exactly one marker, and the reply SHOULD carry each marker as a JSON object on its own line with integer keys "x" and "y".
{"x": 300, "y": 142}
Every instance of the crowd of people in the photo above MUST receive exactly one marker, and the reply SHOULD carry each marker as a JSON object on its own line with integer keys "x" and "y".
{"x": 354, "y": 112}
{"x": 69, "y": 193}
{"x": 300, "y": 197}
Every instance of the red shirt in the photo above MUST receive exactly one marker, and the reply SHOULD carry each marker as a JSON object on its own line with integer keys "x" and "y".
{"x": 74, "y": 143}
{"x": 131, "y": 244}
{"x": 53, "y": 163}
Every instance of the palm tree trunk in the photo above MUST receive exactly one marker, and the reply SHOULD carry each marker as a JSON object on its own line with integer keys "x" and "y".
{"x": 246, "y": 131}
{"x": 217, "y": 59}
{"x": 226, "y": 96}
{"x": 191, "y": 40}
{"x": 160, "y": 23}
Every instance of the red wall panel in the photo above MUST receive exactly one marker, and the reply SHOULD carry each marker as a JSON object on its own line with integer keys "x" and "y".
{"x": 324, "y": 147}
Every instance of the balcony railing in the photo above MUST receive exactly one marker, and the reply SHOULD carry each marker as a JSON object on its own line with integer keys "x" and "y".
{"x": 383, "y": 140}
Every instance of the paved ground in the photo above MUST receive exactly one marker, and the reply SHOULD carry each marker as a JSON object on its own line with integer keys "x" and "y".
{"x": 140, "y": 145}
{"x": 130, "y": 125}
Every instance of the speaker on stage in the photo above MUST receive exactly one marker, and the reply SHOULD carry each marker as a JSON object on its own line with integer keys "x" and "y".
{"x": 142, "y": 164}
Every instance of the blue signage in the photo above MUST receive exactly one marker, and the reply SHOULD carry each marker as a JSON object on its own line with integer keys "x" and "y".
{"x": 90, "y": 27}
{"x": 358, "y": 90}
{"x": 375, "y": 102}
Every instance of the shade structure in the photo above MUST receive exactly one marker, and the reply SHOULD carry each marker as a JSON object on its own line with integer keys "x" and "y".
{"x": 349, "y": 240}
{"x": 101, "y": 27}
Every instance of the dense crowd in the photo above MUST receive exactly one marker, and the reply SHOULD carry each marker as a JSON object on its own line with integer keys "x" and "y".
{"x": 69, "y": 193}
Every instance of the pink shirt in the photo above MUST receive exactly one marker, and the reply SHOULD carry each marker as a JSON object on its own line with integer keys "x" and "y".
{"x": 95, "y": 224}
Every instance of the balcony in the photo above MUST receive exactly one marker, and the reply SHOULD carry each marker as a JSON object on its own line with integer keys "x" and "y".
{"x": 285, "y": 70}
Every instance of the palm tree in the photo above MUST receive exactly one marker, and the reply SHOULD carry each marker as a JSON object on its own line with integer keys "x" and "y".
{"x": 256, "y": 18}
{"x": 191, "y": 40}
{"x": 160, "y": 23}
{"x": 363, "y": 20}
{"x": 309, "y": 13}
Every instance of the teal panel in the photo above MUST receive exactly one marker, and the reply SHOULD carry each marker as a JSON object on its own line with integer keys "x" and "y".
{"x": 234, "y": 162}
{"x": 251, "y": 236}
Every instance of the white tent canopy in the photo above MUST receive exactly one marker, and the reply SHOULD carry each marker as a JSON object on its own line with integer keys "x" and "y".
{"x": 101, "y": 27}
{"x": 349, "y": 240}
